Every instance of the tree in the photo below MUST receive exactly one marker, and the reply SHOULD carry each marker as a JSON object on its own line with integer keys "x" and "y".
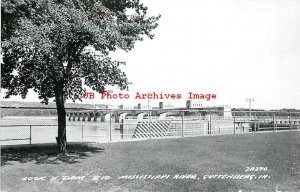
{"x": 50, "y": 46}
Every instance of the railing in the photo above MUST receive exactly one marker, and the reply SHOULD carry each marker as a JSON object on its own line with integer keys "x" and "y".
{"x": 18, "y": 139}
{"x": 184, "y": 123}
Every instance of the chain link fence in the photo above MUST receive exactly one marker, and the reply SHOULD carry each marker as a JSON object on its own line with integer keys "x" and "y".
{"x": 104, "y": 125}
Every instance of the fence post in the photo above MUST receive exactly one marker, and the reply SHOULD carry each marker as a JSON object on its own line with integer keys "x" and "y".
{"x": 273, "y": 122}
{"x": 209, "y": 122}
{"x": 182, "y": 123}
{"x": 175, "y": 132}
{"x": 30, "y": 134}
{"x": 233, "y": 122}
{"x": 290, "y": 121}
{"x": 110, "y": 139}
{"x": 122, "y": 128}
{"x": 150, "y": 122}
{"x": 255, "y": 125}
{"x": 81, "y": 132}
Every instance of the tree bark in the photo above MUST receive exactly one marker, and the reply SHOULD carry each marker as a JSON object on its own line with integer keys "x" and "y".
{"x": 61, "y": 139}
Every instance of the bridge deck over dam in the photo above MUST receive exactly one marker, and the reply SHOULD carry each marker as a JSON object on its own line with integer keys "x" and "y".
{"x": 106, "y": 115}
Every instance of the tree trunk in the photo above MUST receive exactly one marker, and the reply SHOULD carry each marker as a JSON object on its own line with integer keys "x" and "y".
{"x": 61, "y": 139}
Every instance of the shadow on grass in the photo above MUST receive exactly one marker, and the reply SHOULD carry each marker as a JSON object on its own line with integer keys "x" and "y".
{"x": 46, "y": 154}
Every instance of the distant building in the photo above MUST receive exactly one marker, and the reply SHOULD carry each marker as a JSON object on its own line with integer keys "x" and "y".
{"x": 144, "y": 107}
{"x": 112, "y": 107}
{"x": 227, "y": 111}
{"x": 126, "y": 107}
{"x": 191, "y": 104}
{"x": 164, "y": 105}
{"x": 222, "y": 110}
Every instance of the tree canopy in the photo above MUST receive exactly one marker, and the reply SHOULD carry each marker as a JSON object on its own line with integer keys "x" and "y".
{"x": 49, "y": 42}
{"x": 56, "y": 46}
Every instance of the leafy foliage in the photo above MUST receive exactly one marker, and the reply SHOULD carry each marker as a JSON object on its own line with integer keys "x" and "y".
{"x": 67, "y": 42}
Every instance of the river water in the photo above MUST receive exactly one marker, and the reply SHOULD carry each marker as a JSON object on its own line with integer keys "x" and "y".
{"x": 24, "y": 130}
{"x": 44, "y": 130}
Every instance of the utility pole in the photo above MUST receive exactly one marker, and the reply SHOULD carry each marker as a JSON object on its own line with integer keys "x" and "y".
{"x": 250, "y": 100}
{"x": 149, "y": 116}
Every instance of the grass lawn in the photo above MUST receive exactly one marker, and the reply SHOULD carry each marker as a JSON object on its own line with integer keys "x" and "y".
{"x": 211, "y": 163}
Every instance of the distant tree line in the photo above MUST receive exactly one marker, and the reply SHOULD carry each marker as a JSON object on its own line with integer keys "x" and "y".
{"x": 261, "y": 112}
{"x": 27, "y": 112}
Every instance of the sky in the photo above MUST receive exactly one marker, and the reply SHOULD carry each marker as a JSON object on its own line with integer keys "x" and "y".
{"x": 236, "y": 49}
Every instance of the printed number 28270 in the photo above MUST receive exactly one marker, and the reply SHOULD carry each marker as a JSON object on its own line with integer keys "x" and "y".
{"x": 255, "y": 169}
